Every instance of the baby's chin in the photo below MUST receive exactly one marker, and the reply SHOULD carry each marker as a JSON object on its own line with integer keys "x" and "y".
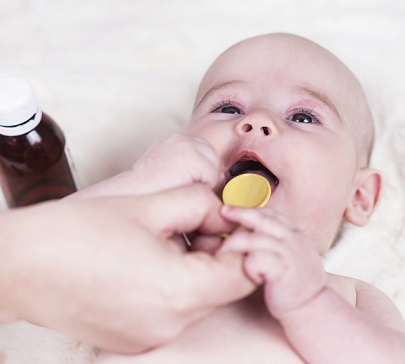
{"x": 206, "y": 243}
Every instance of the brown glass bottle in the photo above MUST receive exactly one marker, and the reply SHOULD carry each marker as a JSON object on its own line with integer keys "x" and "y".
{"x": 33, "y": 165}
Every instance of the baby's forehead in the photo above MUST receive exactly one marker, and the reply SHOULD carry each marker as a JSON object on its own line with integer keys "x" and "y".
{"x": 280, "y": 54}
{"x": 279, "y": 45}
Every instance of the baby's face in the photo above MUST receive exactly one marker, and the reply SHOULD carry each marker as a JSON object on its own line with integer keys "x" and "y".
{"x": 285, "y": 107}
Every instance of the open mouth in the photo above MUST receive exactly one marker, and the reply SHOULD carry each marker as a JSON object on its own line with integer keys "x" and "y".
{"x": 246, "y": 165}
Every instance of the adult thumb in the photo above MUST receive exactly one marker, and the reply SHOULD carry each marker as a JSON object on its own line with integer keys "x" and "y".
{"x": 216, "y": 280}
{"x": 183, "y": 209}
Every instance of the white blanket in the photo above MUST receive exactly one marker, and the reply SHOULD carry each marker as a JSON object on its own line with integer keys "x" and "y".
{"x": 118, "y": 74}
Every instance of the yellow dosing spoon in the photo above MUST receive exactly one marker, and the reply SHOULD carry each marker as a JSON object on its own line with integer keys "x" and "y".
{"x": 247, "y": 190}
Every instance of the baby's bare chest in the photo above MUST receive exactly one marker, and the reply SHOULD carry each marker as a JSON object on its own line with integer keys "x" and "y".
{"x": 230, "y": 335}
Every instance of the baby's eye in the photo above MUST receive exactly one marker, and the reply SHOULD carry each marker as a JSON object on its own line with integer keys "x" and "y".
{"x": 229, "y": 110}
{"x": 227, "y": 107}
{"x": 302, "y": 118}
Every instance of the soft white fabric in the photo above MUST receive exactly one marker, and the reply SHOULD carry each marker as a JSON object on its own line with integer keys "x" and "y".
{"x": 118, "y": 74}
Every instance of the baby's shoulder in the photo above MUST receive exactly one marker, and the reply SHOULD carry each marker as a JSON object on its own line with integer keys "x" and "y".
{"x": 368, "y": 299}
{"x": 345, "y": 286}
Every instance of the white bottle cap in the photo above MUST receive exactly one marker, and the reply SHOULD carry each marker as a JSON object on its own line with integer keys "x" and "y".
{"x": 19, "y": 110}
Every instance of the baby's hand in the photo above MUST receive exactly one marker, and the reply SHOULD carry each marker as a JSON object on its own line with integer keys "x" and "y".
{"x": 278, "y": 256}
{"x": 175, "y": 161}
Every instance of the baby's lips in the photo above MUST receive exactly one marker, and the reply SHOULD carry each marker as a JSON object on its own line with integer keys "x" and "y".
{"x": 250, "y": 164}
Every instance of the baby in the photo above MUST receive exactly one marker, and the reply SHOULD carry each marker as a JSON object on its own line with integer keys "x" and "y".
{"x": 287, "y": 109}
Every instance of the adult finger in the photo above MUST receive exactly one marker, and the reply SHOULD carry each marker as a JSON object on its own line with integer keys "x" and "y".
{"x": 183, "y": 209}
{"x": 217, "y": 280}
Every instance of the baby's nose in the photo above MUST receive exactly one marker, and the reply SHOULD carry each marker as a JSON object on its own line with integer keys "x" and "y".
{"x": 248, "y": 127}
{"x": 259, "y": 123}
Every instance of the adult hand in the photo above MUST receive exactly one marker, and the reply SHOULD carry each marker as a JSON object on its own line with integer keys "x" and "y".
{"x": 108, "y": 271}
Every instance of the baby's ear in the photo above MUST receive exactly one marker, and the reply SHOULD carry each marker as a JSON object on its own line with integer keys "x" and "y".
{"x": 366, "y": 193}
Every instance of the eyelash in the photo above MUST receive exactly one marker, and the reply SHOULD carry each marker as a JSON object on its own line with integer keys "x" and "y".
{"x": 216, "y": 106}
{"x": 305, "y": 111}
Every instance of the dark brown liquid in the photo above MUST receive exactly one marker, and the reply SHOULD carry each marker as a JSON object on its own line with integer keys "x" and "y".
{"x": 34, "y": 167}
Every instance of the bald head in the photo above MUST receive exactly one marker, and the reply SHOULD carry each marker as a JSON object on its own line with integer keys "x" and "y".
{"x": 311, "y": 67}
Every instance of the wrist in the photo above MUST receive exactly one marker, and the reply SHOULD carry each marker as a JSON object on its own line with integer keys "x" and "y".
{"x": 316, "y": 306}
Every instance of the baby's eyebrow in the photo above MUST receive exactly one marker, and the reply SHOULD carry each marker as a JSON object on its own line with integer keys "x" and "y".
{"x": 220, "y": 86}
{"x": 321, "y": 97}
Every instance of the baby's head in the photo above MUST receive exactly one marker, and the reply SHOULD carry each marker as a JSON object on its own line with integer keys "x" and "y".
{"x": 282, "y": 105}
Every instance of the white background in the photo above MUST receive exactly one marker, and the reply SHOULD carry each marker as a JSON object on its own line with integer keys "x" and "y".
{"x": 118, "y": 74}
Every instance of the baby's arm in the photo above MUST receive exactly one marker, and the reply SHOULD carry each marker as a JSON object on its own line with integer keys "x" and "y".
{"x": 328, "y": 329}
{"x": 321, "y": 325}
{"x": 377, "y": 306}
{"x": 170, "y": 162}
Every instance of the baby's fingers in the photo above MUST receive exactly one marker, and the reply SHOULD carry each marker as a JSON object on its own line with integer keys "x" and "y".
{"x": 264, "y": 257}
{"x": 264, "y": 266}
{"x": 244, "y": 241}
{"x": 260, "y": 220}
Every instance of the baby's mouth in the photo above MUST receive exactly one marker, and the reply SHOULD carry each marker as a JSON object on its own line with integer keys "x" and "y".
{"x": 248, "y": 165}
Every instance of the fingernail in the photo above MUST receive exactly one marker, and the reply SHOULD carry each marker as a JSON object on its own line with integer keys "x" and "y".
{"x": 226, "y": 209}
